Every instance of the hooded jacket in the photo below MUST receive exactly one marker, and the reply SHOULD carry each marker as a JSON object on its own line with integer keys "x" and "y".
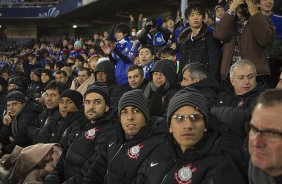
{"x": 115, "y": 91}
{"x": 159, "y": 97}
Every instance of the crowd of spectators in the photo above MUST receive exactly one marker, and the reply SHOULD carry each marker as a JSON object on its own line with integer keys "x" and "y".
{"x": 164, "y": 100}
{"x": 28, "y": 3}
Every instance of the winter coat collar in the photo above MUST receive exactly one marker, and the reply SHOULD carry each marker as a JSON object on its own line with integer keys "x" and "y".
{"x": 185, "y": 36}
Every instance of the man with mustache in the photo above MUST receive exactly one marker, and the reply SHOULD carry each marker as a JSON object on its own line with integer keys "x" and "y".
{"x": 90, "y": 138}
{"x": 51, "y": 98}
{"x": 128, "y": 152}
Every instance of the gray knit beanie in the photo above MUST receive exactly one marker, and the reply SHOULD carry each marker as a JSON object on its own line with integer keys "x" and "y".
{"x": 135, "y": 98}
{"x": 187, "y": 97}
{"x": 17, "y": 96}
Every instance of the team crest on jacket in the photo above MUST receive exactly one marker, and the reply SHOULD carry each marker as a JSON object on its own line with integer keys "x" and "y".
{"x": 184, "y": 174}
{"x": 90, "y": 134}
{"x": 134, "y": 151}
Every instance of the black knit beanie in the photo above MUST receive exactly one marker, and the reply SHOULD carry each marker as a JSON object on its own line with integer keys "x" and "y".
{"x": 102, "y": 90}
{"x": 48, "y": 72}
{"x": 135, "y": 98}
{"x": 37, "y": 72}
{"x": 75, "y": 96}
{"x": 17, "y": 96}
{"x": 190, "y": 97}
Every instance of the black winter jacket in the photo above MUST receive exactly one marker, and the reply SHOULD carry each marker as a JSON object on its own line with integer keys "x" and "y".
{"x": 203, "y": 48}
{"x": 228, "y": 97}
{"x": 88, "y": 143}
{"x": 18, "y": 127}
{"x": 204, "y": 164}
{"x": 209, "y": 88}
{"x": 126, "y": 157}
{"x": 58, "y": 128}
{"x": 40, "y": 121}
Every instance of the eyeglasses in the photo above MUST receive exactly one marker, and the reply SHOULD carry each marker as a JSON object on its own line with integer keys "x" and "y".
{"x": 268, "y": 135}
{"x": 192, "y": 117}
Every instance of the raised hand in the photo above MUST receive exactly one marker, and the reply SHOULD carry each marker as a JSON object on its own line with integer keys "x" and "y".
{"x": 252, "y": 7}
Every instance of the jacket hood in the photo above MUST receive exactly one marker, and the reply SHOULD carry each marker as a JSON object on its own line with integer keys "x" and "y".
{"x": 108, "y": 67}
{"x": 168, "y": 68}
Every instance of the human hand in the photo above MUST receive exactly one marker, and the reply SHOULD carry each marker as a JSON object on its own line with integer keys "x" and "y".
{"x": 252, "y": 7}
{"x": 7, "y": 119}
{"x": 235, "y": 4}
{"x": 105, "y": 48}
{"x": 131, "y": 17}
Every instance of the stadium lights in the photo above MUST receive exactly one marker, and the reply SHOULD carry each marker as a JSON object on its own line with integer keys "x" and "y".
{"x": 74, "y": 26}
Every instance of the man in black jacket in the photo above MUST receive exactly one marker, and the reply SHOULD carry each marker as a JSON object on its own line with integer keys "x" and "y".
{"x": 51, "y": 98}
{"x": 92, "y": 136}
{"x": 235, "y": 103}
{"x": 197, "y": 44}
{"x": 105, "y": 73}
{"x": 199, "y": 159}
{"x": 62, "y": 122}
{"x": 136, "y": 140}
{"x": 19, "y": 113}
{"x": 195, "y": 75}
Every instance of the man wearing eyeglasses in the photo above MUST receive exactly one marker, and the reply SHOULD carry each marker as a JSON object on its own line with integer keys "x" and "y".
{"x": 190, "y": 155}
{"x": 265, "y": 139}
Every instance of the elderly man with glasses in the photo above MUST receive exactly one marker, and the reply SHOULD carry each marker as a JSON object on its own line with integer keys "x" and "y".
{"x": 265, "y": 139}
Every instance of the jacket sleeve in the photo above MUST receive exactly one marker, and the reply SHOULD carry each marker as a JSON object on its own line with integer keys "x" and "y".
{"x": 4, "y": 134}
{"x": 262, "y": 29}
{"x": 214, "y": 57}
{"x": 225, "y": 29}
{"x": 233, "y": 119}
{"x": 143, "y": 35}
{"x": 122, "y": 57}
{"x": 44, "y": 133}
{"x": 96, "y": 169}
